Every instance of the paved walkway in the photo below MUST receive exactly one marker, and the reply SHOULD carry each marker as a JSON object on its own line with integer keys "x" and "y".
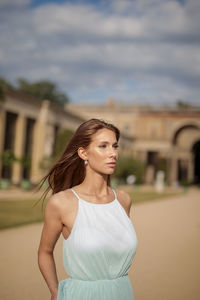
{"x": 166, "y": 265}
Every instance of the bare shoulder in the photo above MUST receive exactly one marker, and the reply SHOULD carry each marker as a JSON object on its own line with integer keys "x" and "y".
{"x": 60, "y": 200}
{"x": 124, "y": 196}
{"x": 125, "y": 200}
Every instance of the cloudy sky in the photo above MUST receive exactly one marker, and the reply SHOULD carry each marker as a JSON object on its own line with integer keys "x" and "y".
{"x": 135, "y": 51}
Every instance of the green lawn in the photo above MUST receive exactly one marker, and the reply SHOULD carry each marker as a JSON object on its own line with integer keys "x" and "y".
{"x": 19, "y": 212}
{"x": 141, "y": 196}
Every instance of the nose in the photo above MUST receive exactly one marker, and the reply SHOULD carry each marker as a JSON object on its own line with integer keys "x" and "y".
{"x": 113, "y": 153}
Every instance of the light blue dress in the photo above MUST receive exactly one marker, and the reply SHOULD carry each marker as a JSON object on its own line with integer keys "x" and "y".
{"x": 98, "y": 253}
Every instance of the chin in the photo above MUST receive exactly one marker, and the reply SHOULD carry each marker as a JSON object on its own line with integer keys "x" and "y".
{"x": 110, "y": 172}
{"x": 107, "y": 173}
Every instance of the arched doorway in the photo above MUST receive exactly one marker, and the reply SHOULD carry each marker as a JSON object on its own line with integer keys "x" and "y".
{"x": 185, "y": 155}
{"x": 196, "y": 151}
{"x": 181, "y": 129}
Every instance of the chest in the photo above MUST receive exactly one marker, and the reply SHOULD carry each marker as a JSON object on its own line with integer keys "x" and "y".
{"x": 95, "y": 230}
{"x": 69, "y": 217}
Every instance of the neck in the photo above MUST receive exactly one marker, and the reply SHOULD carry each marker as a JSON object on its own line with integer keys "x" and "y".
{"x": 95, "y": 183}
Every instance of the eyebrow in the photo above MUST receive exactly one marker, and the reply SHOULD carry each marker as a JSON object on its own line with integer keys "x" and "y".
{"x": 106, "y": 142}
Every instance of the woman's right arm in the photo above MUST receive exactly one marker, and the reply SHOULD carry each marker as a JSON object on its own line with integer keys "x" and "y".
{"x": 50, "y": 234}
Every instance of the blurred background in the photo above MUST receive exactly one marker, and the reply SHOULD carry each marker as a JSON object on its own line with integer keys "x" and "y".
{"x": 136, "y": 64}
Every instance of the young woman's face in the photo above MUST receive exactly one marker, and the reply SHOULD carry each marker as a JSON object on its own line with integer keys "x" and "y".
{"x": 102, "y": 152}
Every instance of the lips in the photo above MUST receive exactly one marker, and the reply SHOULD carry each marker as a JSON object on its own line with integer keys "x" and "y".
{"x": 112, "y": 164}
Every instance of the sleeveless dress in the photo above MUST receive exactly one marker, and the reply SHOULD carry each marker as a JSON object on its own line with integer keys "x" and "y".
{"x": 98, "y": 253}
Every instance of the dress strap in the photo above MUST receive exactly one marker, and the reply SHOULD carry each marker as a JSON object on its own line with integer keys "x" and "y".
{"x": 79, "y": 197}
{"x": 114, "y": 193}
{"x": 75, "y": 194}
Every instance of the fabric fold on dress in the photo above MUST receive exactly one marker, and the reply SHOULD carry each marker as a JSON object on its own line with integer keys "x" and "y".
{"x": 105, "y": 289}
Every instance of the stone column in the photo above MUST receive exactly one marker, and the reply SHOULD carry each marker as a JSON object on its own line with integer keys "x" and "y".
{"x": 173, "y": 168}
{"x": 191, "y": 167}
{"x": 2, "y": 132}
{"x": 39, "y": 135}
{"x": 149, "y": 176}
{"x": 18, "y": 147}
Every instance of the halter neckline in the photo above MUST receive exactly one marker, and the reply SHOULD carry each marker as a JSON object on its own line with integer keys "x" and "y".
{"x": 87, "y": 202}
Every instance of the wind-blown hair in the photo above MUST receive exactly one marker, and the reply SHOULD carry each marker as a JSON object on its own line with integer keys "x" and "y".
{"x": 69, "y": 170}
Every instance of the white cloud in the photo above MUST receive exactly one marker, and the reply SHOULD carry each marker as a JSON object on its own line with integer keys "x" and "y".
{"x": 13, "y": 3}
{"x": 142, "y": 49}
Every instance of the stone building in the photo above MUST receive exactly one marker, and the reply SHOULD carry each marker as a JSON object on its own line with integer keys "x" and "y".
{"x": 29, "y": 126}
{"x": 160, "y": 136}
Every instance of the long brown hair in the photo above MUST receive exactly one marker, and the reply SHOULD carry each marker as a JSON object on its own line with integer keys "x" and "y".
{"x": 69, "y": 170}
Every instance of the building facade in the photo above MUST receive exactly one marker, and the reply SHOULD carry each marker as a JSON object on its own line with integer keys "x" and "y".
{"x": 162, "y": 137}
{"x": 29, "y": 128}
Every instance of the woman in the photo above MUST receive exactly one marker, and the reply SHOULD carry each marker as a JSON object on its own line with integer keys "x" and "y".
{"x": 99, "y": 238}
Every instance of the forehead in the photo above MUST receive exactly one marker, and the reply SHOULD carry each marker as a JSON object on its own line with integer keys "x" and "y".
{"x": 104, "y": 134}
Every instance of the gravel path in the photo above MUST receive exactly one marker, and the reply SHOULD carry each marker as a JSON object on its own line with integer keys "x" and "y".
{"x": 166, "y": 265}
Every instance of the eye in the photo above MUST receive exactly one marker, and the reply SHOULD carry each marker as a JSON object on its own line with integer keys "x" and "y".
{"x": 104, "y": 146}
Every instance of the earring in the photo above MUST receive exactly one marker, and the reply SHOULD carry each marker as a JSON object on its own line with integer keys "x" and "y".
{"x": 86, "y": 162}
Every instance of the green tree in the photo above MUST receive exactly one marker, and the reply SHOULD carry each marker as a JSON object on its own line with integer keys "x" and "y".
{"x": 7, "y": 158}
{"x": 4, "y": 84}
{"x": 183, "y": 104}
{"x": 127, "y": 165}
{"x": 43, "y": 89}
{"x": 64, "y": 136}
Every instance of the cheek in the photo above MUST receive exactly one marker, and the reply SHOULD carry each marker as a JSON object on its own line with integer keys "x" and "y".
{"x": 99, "y": 154}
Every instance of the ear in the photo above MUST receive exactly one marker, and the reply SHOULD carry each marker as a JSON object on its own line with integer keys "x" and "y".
{"x": 82, "y": 153}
